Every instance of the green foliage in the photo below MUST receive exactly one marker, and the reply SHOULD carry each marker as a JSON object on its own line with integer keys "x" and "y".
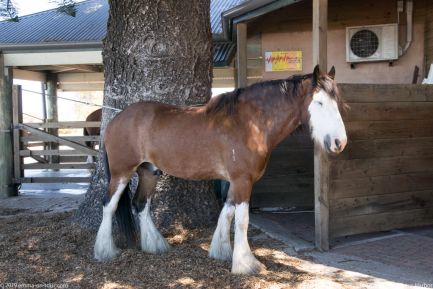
{"x": 9, "y": 12}
{"x": 67, "y": 7}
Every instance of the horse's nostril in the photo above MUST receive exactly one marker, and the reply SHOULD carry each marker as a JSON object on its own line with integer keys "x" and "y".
{"x": 338, "y": 143}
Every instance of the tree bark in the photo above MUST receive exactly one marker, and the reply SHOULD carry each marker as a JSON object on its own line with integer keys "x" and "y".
{"x": 160, "y": 51}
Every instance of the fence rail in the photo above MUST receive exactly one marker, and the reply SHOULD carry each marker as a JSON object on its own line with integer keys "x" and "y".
{"x": 28, "y": 138}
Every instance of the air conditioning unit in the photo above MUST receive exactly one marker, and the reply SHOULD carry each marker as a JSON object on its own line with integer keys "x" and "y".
{"x": 372, "y": 43}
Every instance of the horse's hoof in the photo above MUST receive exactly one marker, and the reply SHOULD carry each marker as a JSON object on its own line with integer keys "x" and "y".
{"x": 248, "y": 266}
{"x": 155, "y": 245}
{"x": 103, "y": 255}
{"x": 224, "y": 253}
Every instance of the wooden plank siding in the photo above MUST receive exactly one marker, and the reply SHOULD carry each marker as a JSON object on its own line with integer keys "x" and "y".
{"x": 289, "y": 178}
{"x": 384, "y": 178}
{"x": 429, "y": 35}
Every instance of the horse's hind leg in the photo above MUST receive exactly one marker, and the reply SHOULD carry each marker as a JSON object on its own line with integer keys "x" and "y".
{"x": 105, "y": 249}
{"x": 151, "y": 239}
{"x": 244, "y": 261}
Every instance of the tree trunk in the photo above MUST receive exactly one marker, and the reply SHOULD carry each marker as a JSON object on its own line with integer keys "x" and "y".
{"x": 161, "y": 51}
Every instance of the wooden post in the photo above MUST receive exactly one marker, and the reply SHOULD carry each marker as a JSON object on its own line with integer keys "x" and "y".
{"x": 44, "y": 114}
{"x": 321, "y": 162}
{"x": 320, "y": 33}
{"x": 7, "y": 185}
{"x": 241, "y": 56}
{"x": 52, "y": 114}
{"x": 17, "y": 118}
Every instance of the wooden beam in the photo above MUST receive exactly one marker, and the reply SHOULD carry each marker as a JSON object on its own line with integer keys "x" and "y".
{"x": 82, "y": 67}
{"x": 7, "y": 186}
{"x": 84, "y": 77}
{"x": 17, "y": 117}
{"x": 48, "y": 137}
{"x": 320, "y": 33}
{"x": 53, "y": 180}
{"x": 31, "y": 153}
{"x": 81, "y": 86}
{"x": 53, "y": 58}
{"x": 29, "y": 75}
{"x": 60, "y": 140}
{"x": 39, "y": 166}
{"x": 65, "y": 124}
{"x": 241, "y": 56}
{"x": 321, "y": 162}
{"x": 52, "y": 112}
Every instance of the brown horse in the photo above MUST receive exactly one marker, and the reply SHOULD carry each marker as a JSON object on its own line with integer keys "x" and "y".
{"x": 229, "y": 138}
{"x": 92, "y": 131}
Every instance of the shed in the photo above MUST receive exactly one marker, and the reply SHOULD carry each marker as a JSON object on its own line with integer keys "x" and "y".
{"x": 383, "y": 180}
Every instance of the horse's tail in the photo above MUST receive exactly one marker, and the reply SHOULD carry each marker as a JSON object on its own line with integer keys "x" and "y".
{"x": 125, "y": 219}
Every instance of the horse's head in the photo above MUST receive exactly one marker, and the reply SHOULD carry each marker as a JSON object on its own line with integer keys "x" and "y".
{"x": 327, "y": 127}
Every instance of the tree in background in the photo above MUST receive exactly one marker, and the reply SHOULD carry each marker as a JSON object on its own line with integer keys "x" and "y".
{"x": 160, "y": 51}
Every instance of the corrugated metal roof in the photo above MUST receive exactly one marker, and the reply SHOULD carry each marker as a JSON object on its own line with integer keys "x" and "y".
{"x": 89, "y": 24}
{"x": 222, "y": 53}
{"x": 216, "y": 8}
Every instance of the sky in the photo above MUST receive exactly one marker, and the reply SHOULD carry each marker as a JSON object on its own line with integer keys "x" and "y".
{"x": 26, "y": 7}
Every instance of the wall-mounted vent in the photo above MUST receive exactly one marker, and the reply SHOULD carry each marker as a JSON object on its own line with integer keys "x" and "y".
{"x": 372, "y": 43}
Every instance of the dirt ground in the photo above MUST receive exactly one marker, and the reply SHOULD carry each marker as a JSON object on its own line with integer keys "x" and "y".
{"x": 41, "y": 248}
{"x": 45, "y": 249}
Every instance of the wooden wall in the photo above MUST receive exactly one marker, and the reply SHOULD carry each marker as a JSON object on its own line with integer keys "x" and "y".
{"x": 289, "y": 28}
{"x": 289, "y": 178}
{"x": 429, "y": 35}
{"x": 384, "y": 178}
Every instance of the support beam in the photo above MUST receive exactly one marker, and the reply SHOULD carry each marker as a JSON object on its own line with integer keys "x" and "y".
{"x": 321, "y": 162}
{"x": 52, "y": 114}
{"x": 17, "y": 118}
{"x": 53, "y": 58}
{"x": 7, "y": 186}
{"x": 241, "y": 55}
{"x": 320, "y": 33}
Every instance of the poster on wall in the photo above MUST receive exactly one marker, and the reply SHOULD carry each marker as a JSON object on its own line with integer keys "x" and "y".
{"x": 283, "y": 61}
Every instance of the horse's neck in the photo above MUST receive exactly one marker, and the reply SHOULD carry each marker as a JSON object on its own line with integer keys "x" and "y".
{"x": 280, "y": 118}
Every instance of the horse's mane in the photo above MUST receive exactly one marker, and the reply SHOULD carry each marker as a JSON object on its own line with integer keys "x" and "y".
{"x": 228, "y": 101}
{"x": 289, "y": 87}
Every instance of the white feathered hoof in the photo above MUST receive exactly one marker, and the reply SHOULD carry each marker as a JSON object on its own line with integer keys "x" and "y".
{"x": 247, "y": 266}
{"x": 151, "y": 239}
{"x": 105, "y": 250}
{"x": 155, "y": 244}
{"x": 220, "y": 250}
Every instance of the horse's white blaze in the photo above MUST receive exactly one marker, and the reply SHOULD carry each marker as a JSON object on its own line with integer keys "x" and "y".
{"x": 151, "y": 239}
{"x": 105, "y": 249}
{"x": 244, "y": 261}
{"x": 326, "y": 122}
{"x": 220, "y": 247}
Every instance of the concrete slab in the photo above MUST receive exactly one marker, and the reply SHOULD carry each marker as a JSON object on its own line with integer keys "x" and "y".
{"x": 402, "y": 257}
{"x": 46, "y": 202}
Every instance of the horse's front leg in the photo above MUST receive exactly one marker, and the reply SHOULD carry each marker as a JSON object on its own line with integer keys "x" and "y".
{"x": 220, "y": 247}
{"x": 244, "y": 261}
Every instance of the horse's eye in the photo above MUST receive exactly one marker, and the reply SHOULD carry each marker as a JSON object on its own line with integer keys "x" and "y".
{"x": 320, "y": 103}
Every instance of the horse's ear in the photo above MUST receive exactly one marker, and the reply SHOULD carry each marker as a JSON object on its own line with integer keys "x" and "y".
{"x": 316, "y": 75}
{"x": 331, "y": 72}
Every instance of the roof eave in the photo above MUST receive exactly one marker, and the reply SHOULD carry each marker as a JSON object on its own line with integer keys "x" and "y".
{"x": 248, "y": 11}
{"x": 4, "y": 47}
